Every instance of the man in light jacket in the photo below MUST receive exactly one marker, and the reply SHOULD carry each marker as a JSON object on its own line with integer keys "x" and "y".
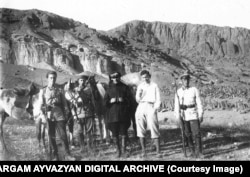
{"x": 188, "y": 108}
{"x": 52, "y": 98}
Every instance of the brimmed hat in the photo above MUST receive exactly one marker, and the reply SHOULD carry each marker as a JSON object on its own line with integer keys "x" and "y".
{"x": 186, "y": 74}
{"x": 84, "y": 77}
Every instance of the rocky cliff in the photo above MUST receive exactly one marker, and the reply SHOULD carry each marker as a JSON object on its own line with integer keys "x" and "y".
{"x": 48, "y": 41}
{"x": 45, "y": 40}
{"x": 189, "y": 39}
{"x": 223, "y": 52}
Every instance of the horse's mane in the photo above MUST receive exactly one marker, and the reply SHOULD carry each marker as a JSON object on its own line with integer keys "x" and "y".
{"x": 32, "y": 90}
{"x": 14, "y": 92}
{"x": 20, "y": 91}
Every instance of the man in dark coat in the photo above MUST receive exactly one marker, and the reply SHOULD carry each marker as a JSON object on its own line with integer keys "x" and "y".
{"x": 117, "y": 101}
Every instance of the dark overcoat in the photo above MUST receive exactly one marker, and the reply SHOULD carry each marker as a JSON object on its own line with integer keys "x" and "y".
{"x": 118, "y": 111}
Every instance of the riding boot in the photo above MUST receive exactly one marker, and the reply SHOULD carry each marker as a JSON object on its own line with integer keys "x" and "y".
{"x": 81, "y": 141}
{"x": 90, "y": 145}
{"x": 108, "y": 136}
{"x": 117, "y": 144}
{"x": 185, "y": 141}
{"x": 71, "y": 141}
{"x": 124, "y": 151}
{"x": 198, "y": 147}
{"x": 55, "y": 157}
{"x": 55, "y": 150}
{"x": 143, "y": 146}
{"x": 157, "y": 145}
{"x": 191, "y": 145}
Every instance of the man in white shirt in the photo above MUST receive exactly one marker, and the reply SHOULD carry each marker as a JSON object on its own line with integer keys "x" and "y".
{"x": 188, "y": 108}
{"x": 148, "y": 97}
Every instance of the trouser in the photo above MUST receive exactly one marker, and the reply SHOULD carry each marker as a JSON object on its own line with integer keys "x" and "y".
{"x": 192, "y": 130}
{"x": 60, "y": 127}
{"x": 133, "y": 119}
{"x": 119, "y": 128}
{"x": 85, "y": 127}
{"x": 134, "y": 124}
{"x": 70, "y": 124}
{"x": 147, "y": 116}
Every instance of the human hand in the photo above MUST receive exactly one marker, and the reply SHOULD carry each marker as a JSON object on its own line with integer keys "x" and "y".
{"x": 120, "y": 99}
{"x": 112, "y": 100}
{"x": 75, "y": 117}
{"x": 53, "y": 101}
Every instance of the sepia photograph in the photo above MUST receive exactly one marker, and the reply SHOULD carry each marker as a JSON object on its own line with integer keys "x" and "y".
{"x": 125, "y": 80}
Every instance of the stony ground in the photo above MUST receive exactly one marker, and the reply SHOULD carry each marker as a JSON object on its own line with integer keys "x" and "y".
{"x": 225, "y": 134}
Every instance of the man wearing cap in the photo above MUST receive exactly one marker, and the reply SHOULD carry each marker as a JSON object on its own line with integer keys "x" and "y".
{"x": 71, "y": 100}
{"x": 148, "y": 97}
{"x": 117, "y": 100}
{"x": 85, "y": 112}
{"x": 188, "y": 107}
{"x": 52, "y": 98}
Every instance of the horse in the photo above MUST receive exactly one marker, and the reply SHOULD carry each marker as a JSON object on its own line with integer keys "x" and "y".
{"x": 97, "y": 92}
{"x": 40, "y": 120}
{"x": 14, "y": 102}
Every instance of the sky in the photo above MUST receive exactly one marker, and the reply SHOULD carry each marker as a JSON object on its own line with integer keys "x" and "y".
{"x": 108, "y": 14}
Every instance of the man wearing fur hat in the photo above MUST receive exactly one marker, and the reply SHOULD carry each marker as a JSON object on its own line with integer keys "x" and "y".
{"x": 188, "y": 108}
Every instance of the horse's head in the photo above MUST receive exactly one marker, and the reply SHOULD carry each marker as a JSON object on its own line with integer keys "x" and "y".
{"x": 131, "y": 79}
{"x": 33, "y": 108}
{"x": 32, "y": 93}
{"x": 16, "y": 101}
{"x": 92, "y": 81}
{"x": 33, "y": 89}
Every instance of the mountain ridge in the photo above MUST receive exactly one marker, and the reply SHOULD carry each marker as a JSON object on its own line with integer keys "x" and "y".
{"x": 45, "y": 40}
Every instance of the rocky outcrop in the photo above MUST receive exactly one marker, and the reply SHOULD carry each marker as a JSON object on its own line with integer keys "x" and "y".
{"x": 190, "y": 40}
{"x": 35, "y": 37}
{"x": 48, "y": 41}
